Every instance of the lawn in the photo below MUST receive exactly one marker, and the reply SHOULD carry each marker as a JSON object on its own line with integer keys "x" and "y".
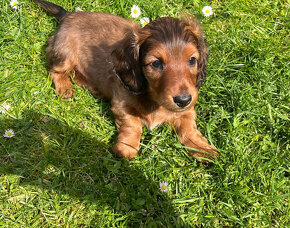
{"x": 58, "y": 169}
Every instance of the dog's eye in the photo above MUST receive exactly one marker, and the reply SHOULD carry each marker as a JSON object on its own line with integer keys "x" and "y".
{"x": 192, "y": 61}
{"x": 157, "y": 64}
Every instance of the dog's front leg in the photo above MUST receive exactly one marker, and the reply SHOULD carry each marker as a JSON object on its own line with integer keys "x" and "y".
{"x": 188, "y": 135}
{"x": 130, "y": 129}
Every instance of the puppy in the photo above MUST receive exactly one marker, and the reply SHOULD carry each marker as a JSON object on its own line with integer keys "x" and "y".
{"x": 150, "y": 75}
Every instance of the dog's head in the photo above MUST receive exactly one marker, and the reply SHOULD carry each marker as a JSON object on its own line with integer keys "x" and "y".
{"x": 167, "y": 58}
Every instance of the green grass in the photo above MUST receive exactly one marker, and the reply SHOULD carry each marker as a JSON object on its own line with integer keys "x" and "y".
{"x": 58, "y": 169}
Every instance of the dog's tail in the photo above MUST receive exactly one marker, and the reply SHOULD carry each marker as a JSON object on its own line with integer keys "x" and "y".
{"x": 54, "y": 9}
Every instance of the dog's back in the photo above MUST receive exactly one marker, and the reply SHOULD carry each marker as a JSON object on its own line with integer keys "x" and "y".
{"x": 85, "y": 40}
{"x": 82, "y": 45}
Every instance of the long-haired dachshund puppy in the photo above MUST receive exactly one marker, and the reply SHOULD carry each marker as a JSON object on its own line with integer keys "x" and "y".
{"x": 151, "y": 75}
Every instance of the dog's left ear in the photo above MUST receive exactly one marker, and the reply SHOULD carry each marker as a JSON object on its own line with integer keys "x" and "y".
{"x": 126, "y": 63}
{"x": 195, "y": 29}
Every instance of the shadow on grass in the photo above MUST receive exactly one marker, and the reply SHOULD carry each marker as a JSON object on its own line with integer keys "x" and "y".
{"x": 55, "y": 157}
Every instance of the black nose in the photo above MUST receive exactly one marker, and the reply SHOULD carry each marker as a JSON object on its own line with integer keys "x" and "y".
{"x": 182, "y": 100}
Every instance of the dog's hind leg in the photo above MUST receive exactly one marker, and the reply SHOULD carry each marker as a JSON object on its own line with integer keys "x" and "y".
{"x": 61, "y": 79}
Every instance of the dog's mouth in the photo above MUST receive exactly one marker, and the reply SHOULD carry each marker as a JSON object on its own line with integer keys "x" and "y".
{"x": 178, "y": 109}
{"x": 173, "y": 107}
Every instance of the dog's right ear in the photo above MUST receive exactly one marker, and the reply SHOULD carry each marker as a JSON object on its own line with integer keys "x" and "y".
{"x": 195, "y": 29}
{"x": 126, "y": 62}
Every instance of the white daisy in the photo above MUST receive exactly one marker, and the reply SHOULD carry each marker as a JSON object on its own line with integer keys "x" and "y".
{"x": 163, "y": 186}
{"x": 78, "y": 9}
{"x": 135, "y": 11}
{"x": 9, "y": 133}
{"x": 4, "y": 108}
{"x": 144, "y": 21}
{"x": 207, "y": 11}
{"x": 14, "y": 4}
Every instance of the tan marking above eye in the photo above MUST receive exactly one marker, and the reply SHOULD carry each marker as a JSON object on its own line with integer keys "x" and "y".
{"x": 191, "y": 51}
{"x": 149, "y": 60}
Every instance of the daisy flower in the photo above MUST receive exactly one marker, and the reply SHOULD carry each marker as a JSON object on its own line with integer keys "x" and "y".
{"x": 207, "y": 11}
{"x": 135, "y": 11}
{"x": 4, "y": 108}
{"x": 78, "y": 9}
{"x": 14, "y": 4}
{"x": 144, "y": 21}
{"x": 163, "y": 186}
{"x": 9, "y": 133}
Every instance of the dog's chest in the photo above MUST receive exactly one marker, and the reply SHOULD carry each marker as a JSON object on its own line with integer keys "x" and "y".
{"x": 156, "y": 118}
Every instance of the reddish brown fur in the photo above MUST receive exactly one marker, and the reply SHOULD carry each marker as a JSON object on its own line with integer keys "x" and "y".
{"x": 112, "y": 57}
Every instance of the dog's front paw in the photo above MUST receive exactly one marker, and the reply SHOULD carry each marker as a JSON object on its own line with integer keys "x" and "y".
{"x": 205, "y": 154}
{"x": 123, "y": 150}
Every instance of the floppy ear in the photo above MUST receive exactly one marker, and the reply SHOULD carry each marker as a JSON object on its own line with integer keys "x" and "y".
{"x": 201, "y": 74}
{"x": 194, "y": 27}
{"x": 126, "y": 63}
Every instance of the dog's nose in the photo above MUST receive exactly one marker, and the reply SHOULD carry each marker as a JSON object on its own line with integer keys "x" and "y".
{"x": 182, "y": 100}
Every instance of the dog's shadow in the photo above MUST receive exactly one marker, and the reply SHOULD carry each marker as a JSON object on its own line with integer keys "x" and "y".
{"x": 52, "y": 156}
